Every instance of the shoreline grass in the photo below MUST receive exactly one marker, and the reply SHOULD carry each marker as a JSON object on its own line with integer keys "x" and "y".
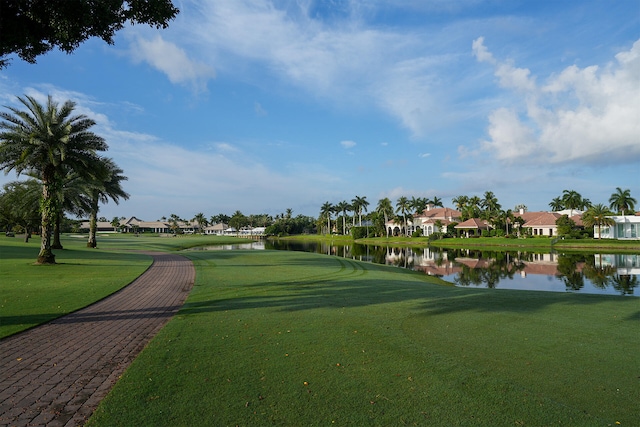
{"x": 274, "y": 337}
{"x": 531, "y": 243}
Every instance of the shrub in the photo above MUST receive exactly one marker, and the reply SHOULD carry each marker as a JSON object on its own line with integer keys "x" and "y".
{"x": 359, "y": 232}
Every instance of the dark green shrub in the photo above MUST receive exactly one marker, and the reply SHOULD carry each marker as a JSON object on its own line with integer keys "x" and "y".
{"x": 359, "y": 232}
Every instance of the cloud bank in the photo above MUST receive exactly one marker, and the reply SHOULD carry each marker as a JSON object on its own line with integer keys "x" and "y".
{"x": 589, "y": 115}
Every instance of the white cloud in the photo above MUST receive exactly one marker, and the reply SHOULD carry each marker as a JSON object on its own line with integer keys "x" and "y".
{"x": 173, "y": 61}
{"x": 424, "y": 155}
{"x": 481, "y": 52}
{"x": 349, "y": 62}
{"x": 589, "y": 114}
{"x": 348, "y": 144}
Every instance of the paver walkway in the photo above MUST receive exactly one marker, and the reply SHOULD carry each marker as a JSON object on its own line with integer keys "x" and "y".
{"x": 57, "y": 373}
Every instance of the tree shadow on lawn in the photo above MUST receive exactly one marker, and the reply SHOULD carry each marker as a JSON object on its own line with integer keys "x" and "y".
{"x": 428, "y": 298}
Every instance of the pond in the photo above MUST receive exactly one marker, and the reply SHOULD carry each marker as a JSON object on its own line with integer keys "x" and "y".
{"x": 584, "y": 273}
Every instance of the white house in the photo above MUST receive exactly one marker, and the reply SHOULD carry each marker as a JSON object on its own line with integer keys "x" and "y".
{"x": 625, "y": 227}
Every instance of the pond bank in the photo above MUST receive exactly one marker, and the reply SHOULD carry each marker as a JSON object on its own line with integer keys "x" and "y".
{"x": 532, "y": 243}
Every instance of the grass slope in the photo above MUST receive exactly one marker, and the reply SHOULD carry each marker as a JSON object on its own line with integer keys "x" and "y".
{"x": 284, "y": 338}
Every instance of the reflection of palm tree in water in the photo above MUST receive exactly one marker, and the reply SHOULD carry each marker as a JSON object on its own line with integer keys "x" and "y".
{"x": 599, "y": 276}
{"x": 500, "y": 265}
{"x": 573, "y": 279}
{"x": 625, "y": 283}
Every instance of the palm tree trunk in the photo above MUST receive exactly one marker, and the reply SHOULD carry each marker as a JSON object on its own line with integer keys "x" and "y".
{"x": 46, "y": 256}
{"x": 56, "y": 233}
{"x": 93, "y": 224}
{"x": 386, "y": 227}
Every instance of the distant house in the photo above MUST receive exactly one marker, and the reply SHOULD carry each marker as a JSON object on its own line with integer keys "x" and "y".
{"x": 473, "y": 226}
{"x": 544, "y": 223}
{"x": 625, "y": 227}
{"x": 216, "y": 229}
{"x": 136, "y": 225}
{"x": 431, "y": 220}
{"x": 101, "y": 227}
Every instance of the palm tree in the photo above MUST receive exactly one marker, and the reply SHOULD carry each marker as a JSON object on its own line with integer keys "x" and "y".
{"x": 201, "y": 220}
{"x": 359, "y": 204}
{"x": 557, "y": 204}
{"x": 115, "y": 223}
{"x": 598, "y": 215}
{"x": 41, "y": 140}
{"x": 490, "y": 203}
{"x": 386, "y": 209}
{"x": 572, "y": 200}
{"x": 437, "y": 201}
{"x": 622, "y": 201}
{"x": 343, "y": 207}
{"x": 106, "y": 186}
{"x": 403, "y": 206}
{"x": 325, "y": 212}
{"x": 460, "y": 202}
{"x": 474, "y": 204}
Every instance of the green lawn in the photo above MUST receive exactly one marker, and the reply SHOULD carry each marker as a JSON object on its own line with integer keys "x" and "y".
{"x": 33, "y": 294}
{"x": 289, "y": 338}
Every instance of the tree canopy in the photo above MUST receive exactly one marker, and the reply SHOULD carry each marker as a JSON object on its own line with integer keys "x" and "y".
{"x": 31, "y": 28}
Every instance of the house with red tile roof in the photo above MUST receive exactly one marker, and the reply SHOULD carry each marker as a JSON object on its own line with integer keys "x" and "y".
{"x": 426, "y": 221}
{"x": 544, "y": 223}
{"x": 473, "y": 226}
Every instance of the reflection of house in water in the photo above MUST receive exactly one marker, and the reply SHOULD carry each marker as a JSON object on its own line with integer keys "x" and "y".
{"x": 624, "y": 264}
{"x": 545, "y": 264}
{"x": 433, "y": 263}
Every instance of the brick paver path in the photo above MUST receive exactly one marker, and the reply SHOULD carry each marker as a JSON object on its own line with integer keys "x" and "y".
{"x": 57, "y": 373}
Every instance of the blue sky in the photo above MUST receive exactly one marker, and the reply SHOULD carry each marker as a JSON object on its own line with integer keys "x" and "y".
{"x": 261, "y": 106}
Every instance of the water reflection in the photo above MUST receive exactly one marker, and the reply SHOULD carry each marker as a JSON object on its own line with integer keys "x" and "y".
{"x": 585, "y": 273}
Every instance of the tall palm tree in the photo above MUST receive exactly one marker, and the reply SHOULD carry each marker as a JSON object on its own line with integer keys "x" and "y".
{"x": 622, "y": 201}
{"x": 42, "y": 139}
{"x": 572, "y": 200}
{"x": 359, "y": 204}
{"x": 418, "y": 204}
{"x": 115, "y": 223}
{"x": 598, "y": 215}
{"x": 386, "y": 209}
{"x": 437, "y": 201}
{"x": 557, "y": 204}
{"x": 107, "y": 185}
{"x": 403, "y": 207}
{"x": 490, "y": 203}
{"x": 325, "y": 212}
{"x": 460, "y": 202}
{"x": 475, "y": 202}
{"x": 343, "y": 207}
{"x": 201, "y": 220}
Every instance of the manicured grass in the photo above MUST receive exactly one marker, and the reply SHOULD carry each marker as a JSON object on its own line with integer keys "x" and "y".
{"x": 34, "y": 294}
{"x": 291, "y": 338}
